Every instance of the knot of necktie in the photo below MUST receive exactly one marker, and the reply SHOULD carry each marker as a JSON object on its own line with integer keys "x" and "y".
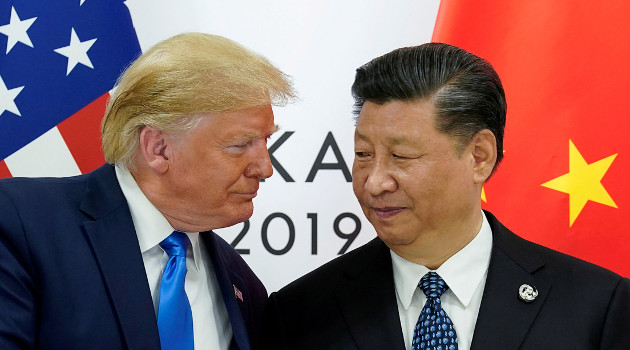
{"x": 432, "y": 285}
{"x": 176, "y": 244}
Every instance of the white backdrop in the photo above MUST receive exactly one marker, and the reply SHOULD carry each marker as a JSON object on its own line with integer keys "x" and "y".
{"x": 320, "y": 44}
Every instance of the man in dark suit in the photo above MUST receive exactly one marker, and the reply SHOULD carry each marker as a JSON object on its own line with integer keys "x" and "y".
{"x": 82, "y": 258}
{"x": 442, "y": 273}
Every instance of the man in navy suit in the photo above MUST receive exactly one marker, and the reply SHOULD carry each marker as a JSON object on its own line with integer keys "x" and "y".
{"x": 185, "y": 137}
{"x": 442, "y": 273}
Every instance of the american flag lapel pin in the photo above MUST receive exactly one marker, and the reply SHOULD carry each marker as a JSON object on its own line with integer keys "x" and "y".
{"x": 237, "y": 293}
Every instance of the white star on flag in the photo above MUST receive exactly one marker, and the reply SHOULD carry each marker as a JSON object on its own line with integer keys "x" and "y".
{"x": 16, "y": 30}
{"x": 76, "y": 52}
{"x": 7, "y": 98}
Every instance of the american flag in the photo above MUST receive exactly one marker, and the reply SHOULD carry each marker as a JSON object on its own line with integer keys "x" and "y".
{"x": 58, "y": 62}
{"x": 237, "y": 293}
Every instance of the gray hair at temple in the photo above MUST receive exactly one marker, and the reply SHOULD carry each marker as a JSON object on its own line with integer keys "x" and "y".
{"x": 465, "y": 90}
{"x": 175, "y": 81}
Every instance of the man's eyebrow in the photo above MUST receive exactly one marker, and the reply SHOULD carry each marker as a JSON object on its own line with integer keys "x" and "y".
{"x": 272, "y": 131}
{"x": 397, "y": 140}
{"x": 255, "y": 135}
{"x": 392, "y": 140}
{"x": 360, "y": 135}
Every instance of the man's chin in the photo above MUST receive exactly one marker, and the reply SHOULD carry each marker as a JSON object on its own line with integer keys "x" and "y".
{"x": 393, "y": 238}
{"x": 227, "y": 218}
{"x": 241, "y": 214}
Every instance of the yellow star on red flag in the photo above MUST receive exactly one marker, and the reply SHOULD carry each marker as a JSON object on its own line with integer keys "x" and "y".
{"x": 583, "y": 182}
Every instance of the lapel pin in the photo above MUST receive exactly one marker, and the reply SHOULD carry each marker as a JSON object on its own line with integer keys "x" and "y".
{"x": 237, "y": 293}
{"x": 527, "y": 293}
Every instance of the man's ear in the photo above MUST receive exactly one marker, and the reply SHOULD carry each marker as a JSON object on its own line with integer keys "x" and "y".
{"x": 484, "y": 151}
{"x": 153, "y": 149}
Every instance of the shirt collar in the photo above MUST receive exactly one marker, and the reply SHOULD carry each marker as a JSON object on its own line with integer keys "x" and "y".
{"x": 151, "y": 226}
{"x": 463, "y": 282}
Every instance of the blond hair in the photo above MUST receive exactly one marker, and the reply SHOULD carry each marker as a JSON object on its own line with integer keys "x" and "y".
{"x": 173, "y": 82}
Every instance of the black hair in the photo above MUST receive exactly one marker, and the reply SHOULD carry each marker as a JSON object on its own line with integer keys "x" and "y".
{"x": 465, "y": 90}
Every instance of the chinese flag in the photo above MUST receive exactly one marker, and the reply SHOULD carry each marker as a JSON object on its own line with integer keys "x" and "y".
{"x": 564, "y": 67}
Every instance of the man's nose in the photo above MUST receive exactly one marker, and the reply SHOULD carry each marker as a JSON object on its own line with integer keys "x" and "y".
{"x": 261, "y": 165}
{"x": 380, "y": 180}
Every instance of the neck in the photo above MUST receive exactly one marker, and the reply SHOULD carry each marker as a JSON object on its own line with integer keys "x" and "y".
{"x": 157, "y": 193}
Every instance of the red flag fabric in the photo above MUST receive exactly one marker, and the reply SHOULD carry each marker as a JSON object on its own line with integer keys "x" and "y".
{"x": 82, "y": 134}
{"x": 4, "y": 171}
{"x": 564, "y": 68}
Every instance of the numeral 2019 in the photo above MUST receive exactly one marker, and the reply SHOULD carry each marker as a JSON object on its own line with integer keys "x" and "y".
{"x": 349, "y": 237}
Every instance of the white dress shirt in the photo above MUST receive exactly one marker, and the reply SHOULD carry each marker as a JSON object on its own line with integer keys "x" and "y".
{"x": 465, "y": 273}
{"x": 211, "y": 323}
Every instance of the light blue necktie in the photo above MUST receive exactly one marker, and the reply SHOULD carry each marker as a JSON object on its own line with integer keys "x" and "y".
{"x": 175, "y": 323}
{"x": 434, "y": 329}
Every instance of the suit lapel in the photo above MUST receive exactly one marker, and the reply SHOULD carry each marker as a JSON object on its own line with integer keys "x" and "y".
{"x": 504, "y": 319}
{"x": 113, "y": 239}
{"x": 230, "y": 284}
{"x": 369, "y": 290}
